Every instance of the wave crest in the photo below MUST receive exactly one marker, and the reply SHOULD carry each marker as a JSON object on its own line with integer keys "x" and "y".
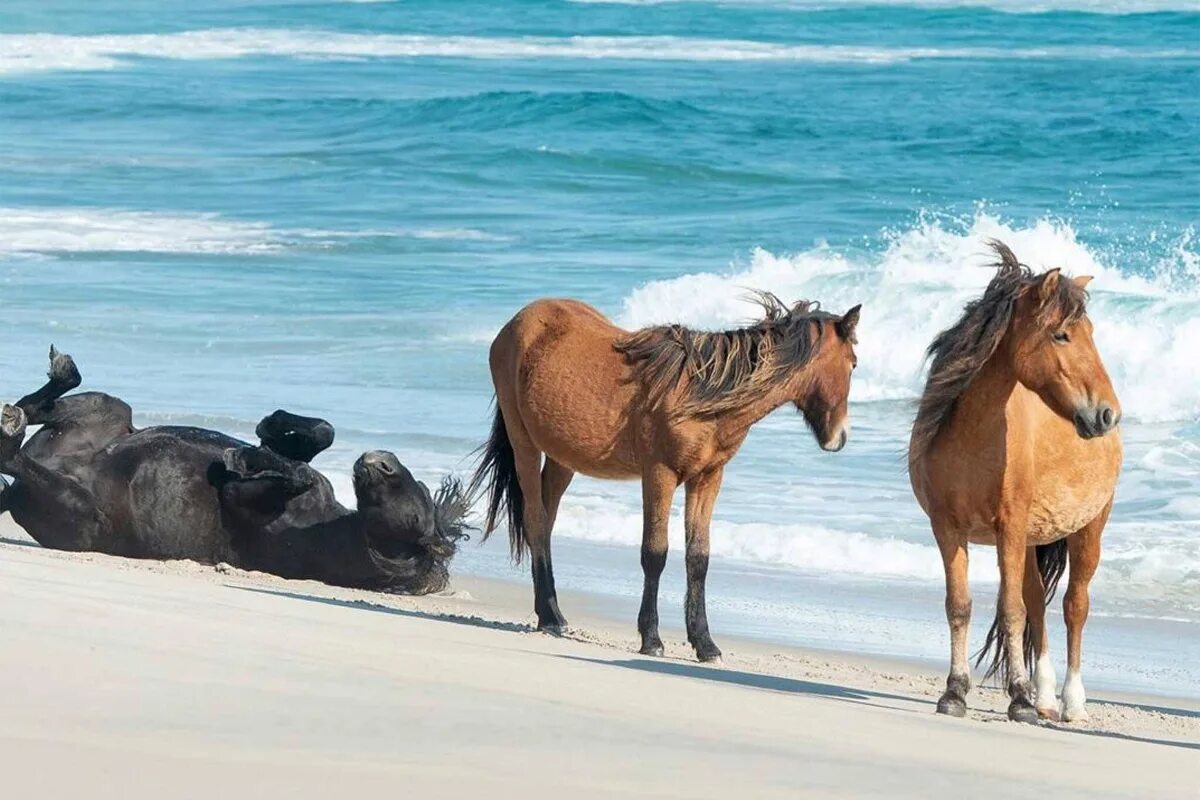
{"x": 1145, "y": 326}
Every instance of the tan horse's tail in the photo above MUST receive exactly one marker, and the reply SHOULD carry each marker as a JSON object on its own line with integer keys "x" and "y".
{"x": 1052, "y": 563}
{"x": 497, "y": 472}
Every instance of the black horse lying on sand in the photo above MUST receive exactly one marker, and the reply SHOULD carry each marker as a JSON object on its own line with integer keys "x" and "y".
{"x": 88, "y": 480}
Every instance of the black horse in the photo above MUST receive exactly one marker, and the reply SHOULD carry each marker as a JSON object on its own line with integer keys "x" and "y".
{"x": 88, "y": 480}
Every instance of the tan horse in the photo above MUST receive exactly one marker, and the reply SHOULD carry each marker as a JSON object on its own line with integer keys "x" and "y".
{"x": 1016, "y": 445}
{"x": 667, "y": 405}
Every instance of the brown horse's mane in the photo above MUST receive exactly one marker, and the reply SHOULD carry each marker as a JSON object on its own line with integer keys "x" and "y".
{"x": 725, "y": 370}
{"x": 959, "y": 352}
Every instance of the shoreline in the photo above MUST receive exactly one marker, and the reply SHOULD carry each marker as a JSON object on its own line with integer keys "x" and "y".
{"x": 179, "y": 669}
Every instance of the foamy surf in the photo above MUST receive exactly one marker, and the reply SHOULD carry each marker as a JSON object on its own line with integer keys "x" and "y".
{"x": 48, "y": 52}
{"x": 110, "y": 230}
{"x": 917, "y": 285}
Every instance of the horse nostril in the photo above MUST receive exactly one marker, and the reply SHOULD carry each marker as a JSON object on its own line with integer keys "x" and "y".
{"x": 1107, "y": 417}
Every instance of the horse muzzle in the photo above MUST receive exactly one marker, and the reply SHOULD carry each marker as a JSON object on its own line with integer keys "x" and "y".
{"x": 1092, "y": 422}
{"x": 836, "y": 443}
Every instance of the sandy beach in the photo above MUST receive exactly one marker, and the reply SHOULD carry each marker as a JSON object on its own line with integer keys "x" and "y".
{"x": 145, "y": 679}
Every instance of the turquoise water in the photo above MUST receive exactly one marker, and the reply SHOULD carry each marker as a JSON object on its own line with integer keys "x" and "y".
{"x": 225, "y": 207}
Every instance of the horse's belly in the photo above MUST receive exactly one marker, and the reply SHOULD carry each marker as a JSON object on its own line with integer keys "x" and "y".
{"x": 1061, "y": 510}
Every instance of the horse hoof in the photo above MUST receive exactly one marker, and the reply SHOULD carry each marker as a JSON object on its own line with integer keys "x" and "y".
{"x": 1022, "y": 711}
{"x": 63, "y": 369}
{"x": 952, "y": 705}
{"x": 652, "y": 649}
{"x": 709, "y": 655}
{"x": 553, "y": 628}
{"x": 12, "y": 421}
{"x": 1050, "y": 714}
{"x": 1075, "y": 714}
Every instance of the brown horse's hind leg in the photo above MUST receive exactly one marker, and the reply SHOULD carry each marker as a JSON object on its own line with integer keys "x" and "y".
{"x": 555, "y": 480}
{"x": 958, "y": 615}
{"x": 537, "y": 534}
{"x": 1044, "y": 679}
{"x": 701, "y": 496}
{"x": 1083, "y": 552}
{"x": 658, "y": 488}
{"x": 1010, "y": 545}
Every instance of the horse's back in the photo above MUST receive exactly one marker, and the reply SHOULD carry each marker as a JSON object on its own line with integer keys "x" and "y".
{"x": 556, "y": 370}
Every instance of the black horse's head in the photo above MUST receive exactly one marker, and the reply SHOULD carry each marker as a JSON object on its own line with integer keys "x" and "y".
{"x": 404, "y": 522}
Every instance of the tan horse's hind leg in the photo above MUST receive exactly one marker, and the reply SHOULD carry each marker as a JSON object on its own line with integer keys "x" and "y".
{"x": 1083, "y": 553}
{"x": 701, "y": 497}
{"x": 658, "y": 489}
{"x": 953, "y": 547}
{"x": 1044, "y": 680}
{"x": 1010, "y": 545}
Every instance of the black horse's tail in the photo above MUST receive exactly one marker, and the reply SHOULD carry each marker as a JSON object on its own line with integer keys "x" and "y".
{"x": 497, "y": 472}
{"x": 1051, "y": 564}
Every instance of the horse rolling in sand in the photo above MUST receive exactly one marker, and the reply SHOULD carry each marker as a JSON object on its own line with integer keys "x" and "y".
{"x": 664, "y": 404}
{"x": 1016, "y": 445}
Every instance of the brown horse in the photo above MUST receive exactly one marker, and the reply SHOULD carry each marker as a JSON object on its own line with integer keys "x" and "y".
{"x": 1016, "y": 445}
{"x": 665, "y": 404}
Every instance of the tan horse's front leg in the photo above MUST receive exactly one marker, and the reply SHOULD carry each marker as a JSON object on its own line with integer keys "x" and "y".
{"x": 953, "y": 547}
{"x": 701, "y": 497}
{"x": 1083, "y": 554}
{"x": 1044, "y": 680}
{"x": 1011, "y": 549}
{"x": 658, "y": 489}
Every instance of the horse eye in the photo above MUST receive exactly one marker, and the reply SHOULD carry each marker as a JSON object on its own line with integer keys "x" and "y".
{"x": 1062, "y": 337}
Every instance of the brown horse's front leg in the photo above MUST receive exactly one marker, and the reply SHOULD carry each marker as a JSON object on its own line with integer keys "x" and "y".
{"x": 1083, "y": 554}
{"x": 701, "y": 496}
{"x": 658, "y": 489}
{"x": 1011, "y": 548}
{"x": 953, "y": 547}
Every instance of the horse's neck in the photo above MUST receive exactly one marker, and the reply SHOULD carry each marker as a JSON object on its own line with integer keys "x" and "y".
{"x": 989, "y": 394}
{"x": 739, "y": 421}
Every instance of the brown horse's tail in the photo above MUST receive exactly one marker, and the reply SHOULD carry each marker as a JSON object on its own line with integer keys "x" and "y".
{"x": 498, "y": 472}
{"x": 1051, "y": 563}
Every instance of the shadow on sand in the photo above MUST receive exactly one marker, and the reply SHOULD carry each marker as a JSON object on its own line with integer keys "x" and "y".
{"x": 749, "y": 680}
{"x": 457, "y": 619}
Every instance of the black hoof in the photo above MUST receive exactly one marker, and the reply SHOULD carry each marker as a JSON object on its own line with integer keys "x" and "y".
{"x": 554, "y": 628}
{"x": 707, "y": 654}
{"x": 1022, "y": 711}
{"x": 12, "y": 422}
{"x": 63, "y": 371}
{"x": 652, "y": 649}
{"x": 952, "y": 705}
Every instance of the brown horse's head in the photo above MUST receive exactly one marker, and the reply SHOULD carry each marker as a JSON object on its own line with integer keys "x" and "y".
{"x": 824, "y": 394}
{"x": 1053, "y": 354}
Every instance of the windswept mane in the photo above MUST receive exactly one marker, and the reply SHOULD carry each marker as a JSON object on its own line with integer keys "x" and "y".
{"x": 959, "y": 352}
{"x": 723, "y": 370}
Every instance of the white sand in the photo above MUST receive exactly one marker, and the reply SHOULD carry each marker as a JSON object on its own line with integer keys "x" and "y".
{"x": 139, "y": 679}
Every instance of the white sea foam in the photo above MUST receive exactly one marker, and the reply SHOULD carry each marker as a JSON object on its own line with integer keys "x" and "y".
{"x": 26, "y": 231}
{"x": 40, "y": 52}
{"x": 1146, "y": 327}
{"x": 74, "y": 230}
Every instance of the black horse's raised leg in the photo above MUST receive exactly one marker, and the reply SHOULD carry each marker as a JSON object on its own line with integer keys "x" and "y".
{"x": 62, "y": 377}
{"x": 55, "y": 509}
{"x": 295, "y": 437}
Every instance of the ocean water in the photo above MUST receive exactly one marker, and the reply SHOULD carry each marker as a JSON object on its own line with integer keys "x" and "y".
{"x": 225, "y": 207}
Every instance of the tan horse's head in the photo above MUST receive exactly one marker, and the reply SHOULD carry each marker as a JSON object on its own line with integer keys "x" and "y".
{"x": 825, "y": 391}
{"x": 1053, "y": 353}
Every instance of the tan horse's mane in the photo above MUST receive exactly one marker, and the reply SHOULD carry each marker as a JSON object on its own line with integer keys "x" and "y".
{"x": 960, "y": 352}
{"x": 725, "y": 370}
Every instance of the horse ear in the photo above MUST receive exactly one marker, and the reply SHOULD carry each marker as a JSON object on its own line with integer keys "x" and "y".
{"x": 1049, "y": 284}
{"x": 848, "y": 323}
{"x": 1082, "y": 281}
